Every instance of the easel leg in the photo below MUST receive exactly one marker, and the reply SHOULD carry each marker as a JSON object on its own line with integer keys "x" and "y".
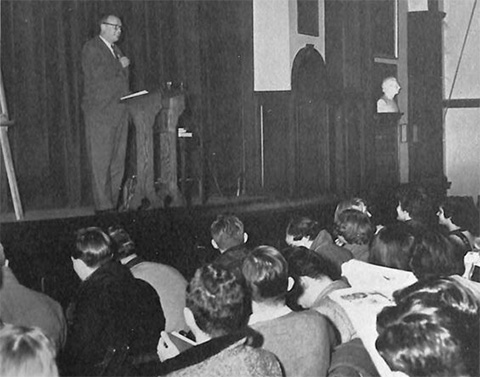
{"x": 12, "y": 180}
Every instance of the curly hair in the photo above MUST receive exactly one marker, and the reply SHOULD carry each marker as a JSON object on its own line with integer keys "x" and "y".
{"x": 354, "y": 226}
{"x": 353, "y": 203}
{"x": 218, "y": 301}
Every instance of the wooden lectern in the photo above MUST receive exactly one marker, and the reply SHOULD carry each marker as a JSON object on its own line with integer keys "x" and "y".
{"x": 145, "y": 110}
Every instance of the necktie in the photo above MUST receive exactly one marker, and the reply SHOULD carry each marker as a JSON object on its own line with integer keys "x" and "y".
{"x": 116, "y": 51}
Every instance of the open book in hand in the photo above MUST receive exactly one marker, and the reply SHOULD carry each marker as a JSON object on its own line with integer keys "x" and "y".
{"x": 372, "y": 278}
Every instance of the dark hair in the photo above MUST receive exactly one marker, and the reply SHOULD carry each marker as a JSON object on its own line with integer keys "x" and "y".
{"x": 416, "y": 202}
{"x": 441, "y": 292}
{"x": 266, "y": 274}
{"x": 122, "y": 244}
{"x": 306, "y": 262}
{"x": 433, "y": 330}
{"x": 26, "y": 351}
{"x": 392, "y": 247}
{"x": 227, "y": 231}
{"x": 434, "y": 256}
{"x": 300, "y": 227}
{"x": 218, "y": 301}
{"x": 92, "y": 246}
{"x": 354, "y": 226}
{"x": 421, "y": 344}
{"x": 462, "y": 212}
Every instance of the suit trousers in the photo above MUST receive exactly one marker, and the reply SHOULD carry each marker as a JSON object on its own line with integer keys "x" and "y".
{"x": 106, "y": 138}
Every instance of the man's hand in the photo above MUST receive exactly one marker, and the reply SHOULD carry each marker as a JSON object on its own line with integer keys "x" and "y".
{"x": 165, "y": 348}
{"x": 124, "y": 61}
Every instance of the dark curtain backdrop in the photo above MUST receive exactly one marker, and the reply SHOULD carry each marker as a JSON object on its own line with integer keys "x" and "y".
{"x": 41, "y": 43}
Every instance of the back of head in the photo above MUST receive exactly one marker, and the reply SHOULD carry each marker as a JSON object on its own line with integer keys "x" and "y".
{"x": 266, "y": 273}
{"x": 218, "y": 301}
{"x": 392, "y": 247}
{"x": 26, "y": 352}
{"x": 352, "y": 203}
{"x": 432, "y": 331}
{"x": 227, "y": 231}
{"x": 416, "y": 202}
{"x": 92, "y": 246}
{"x": 305, "y": 262}
{"x": 303, "y": 227}
{"x": 462, "y": 212}
{"x": 421, "y": 344}
{"x": 443, "y": 291}
{"x": 354, "y": 226}
{"x": 122, "y": 244}
{"x": 434, "y": 256}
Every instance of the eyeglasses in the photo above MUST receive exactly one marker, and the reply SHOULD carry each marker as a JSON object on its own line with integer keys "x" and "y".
{"x": 115, "y": 26}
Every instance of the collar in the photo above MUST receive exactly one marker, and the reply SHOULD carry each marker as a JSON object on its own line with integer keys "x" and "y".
{"x": 8, "y": 275}
{"x": 108, "y": 44}
{"x": 204, "y": 351}
{"x": 268, "y": 314}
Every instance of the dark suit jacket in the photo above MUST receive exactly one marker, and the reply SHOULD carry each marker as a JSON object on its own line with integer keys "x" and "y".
{"x": 111, "y": 308}
{"x": 105, "y": 80}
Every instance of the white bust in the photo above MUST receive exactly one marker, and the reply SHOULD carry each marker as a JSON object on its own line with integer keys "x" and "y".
{"x": 386, "y": 103}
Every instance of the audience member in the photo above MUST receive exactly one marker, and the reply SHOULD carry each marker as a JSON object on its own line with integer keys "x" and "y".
{"x": 22, "y": 306}
{"x": 352, "y": 203}
{"x": 432, "y": 331}
{"x": 302, "y": 231}
{"x": 461, "y": 218}
{"x": 392, "y": 247}
{"x": 217, "y": 313}
{"x": 170, "y": 285}
{"x": 26, "y": 352}
{"x": 414, "y": 208}
{"x": 355, "y": 228}
{"x": 229, "y": 237}
{"x": 114, "y": 315}
{"x": 302, "y": 340}
{"x": 318, "y": 278}
{"x": 434, "y": 256}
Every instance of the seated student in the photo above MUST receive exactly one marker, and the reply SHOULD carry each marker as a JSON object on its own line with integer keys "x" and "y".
{"x": 22, "y": 306}
{"x": 392, "y": 247}
{"x": 229, "y": 237}
{"x": 414, "y": 208}
{"x": 434, "y": 256}
{"x": 169, "y": 284}
{"x": 318, "y": 278}
{"x": 302, "y": 340}
{"x": 355, "y": 228}
{"x": 460, "y": 217}
{"x": 302, "y": 231}
{"x": 113, "y": 315}
{"x": 26, "y": 351}
{"x": 217, "y": 314}
{"x": 432, "y": 331}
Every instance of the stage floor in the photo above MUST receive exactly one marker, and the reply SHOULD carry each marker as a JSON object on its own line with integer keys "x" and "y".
{"x": 242, "y": 203}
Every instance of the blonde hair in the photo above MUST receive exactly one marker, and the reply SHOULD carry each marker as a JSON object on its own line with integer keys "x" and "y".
{"x": 26, "y": 351}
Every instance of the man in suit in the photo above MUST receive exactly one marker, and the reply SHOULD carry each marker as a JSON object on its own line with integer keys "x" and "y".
{"x": 106, "y": 80}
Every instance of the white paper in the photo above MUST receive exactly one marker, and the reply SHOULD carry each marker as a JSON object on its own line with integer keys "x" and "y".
{"x": 136, "y": 94}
